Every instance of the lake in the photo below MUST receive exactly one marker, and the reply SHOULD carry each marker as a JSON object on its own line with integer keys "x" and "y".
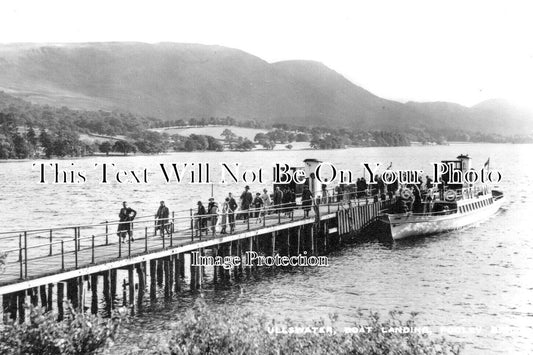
{"x": 478, "y": 278}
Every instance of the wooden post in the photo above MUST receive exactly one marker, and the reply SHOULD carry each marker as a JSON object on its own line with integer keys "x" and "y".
{"x": 124, "y": 293}
{"x": 81, "y": 290}
{"x": 192, "y": 226}
{"x": 173, "y": 221}
{"x": 288, "y": 242}
{"x": 72, "y": 292}
{"x": 141, "y": 274}
{"x": 312, "y": 240}
{"x": 214, "y": 250}
{"x": 298, "y": 233}
{"x": 6, "y": 307}
{"x": 92, "y": 249}
{"x": 42, "y": 293}
{"x": 94, "y": 293}
{"x": 20, "y": 258}
{"x": 131, "y": 284}
{"x": 13, "y": 302}
{"x": 50, "y": 297}
{"x": 199, "y": 271}
{"x": 153, "y": 278}
{"x": 182, "y": 265}
{"x": 177, "y": 273}
{"x": 25, "y": 255}
{"x": 75, "y": 250}
{"x": 113, "y": 274}
{"x": 120, "y": 245}
{"x": 171, "y": 238}
{"x": 62, "y": 256}
{"x": 325, "y": 233}
{"x": 34, "y": 296}
{"x": 107, "y": 294}
{"x": 251, "y": 248}
{"x": 21, "y": 298}
{"x": 160, "y": 272}
{"x": 107, "y": 233}
{"x": 239, "y": 254}
{"x": 60, "y": 295}
{"x": 166, "y": 268}
{"x": 146, "y": 239}
{"x": 170, "y": 273}
{"x": 193, "y": 274}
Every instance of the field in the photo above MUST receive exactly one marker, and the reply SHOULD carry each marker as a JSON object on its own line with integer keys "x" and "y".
{"x": 214, "y": 131}
{"x": 96, "y": 138}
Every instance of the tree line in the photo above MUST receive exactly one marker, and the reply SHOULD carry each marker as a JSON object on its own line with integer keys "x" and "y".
{"x": 28, "y": 130}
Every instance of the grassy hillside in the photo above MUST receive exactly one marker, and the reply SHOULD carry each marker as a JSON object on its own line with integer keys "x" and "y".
{"x": 171, "y": 81}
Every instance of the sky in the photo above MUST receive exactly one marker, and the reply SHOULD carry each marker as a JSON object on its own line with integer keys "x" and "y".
{"x": 460, "y": 51}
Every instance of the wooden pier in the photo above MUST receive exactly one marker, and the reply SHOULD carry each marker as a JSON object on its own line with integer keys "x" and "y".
{"x": 77, "y": 263}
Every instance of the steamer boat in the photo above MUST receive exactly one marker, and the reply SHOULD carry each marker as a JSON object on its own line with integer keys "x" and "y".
{"x": 452, "y": 206}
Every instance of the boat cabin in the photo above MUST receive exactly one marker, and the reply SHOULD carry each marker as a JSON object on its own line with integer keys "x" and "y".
{"x": 314, "y": 185}
{"x": 462, "y": 163}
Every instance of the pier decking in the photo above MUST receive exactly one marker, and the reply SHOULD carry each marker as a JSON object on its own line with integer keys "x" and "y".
{"x": 76, "y": 254}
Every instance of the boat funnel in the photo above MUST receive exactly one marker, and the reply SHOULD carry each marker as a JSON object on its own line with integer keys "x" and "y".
{"x": 466, "y": 162}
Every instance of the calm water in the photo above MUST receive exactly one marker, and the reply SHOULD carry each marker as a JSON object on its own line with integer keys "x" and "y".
{"x": 480, "y": 277}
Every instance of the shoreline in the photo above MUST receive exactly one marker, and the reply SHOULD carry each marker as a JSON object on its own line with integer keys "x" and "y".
{"x": 248, "y": 151}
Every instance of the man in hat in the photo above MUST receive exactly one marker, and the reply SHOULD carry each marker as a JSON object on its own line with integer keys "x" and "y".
{"x": 232, "y": 207}
{"x": 258, "y": 204}
{"x": 202, "y": 221}
{"x": 246, "y": 201}
{"x": 125, "y": 227}
{"x": 307, "y": 200}
{"x": 213, "y": 214}
{"x": 278, "y": 198}
{"x": 162, "y": 219}
{"x": 266, "y": 199}
{"x": 210, "y": 204}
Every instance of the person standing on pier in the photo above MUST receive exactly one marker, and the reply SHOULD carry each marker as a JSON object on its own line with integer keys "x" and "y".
{"x": 429, "y": 183}
{"x": 258, "y": 204}
{"x": 325, "y": 195}
{"x": 266, "y": 199}
{"x": 381, "y": 187}
{"x": 126, "y": 216}
{"x": 224, "y": 214}
{"x": 307, "y": 200}
{"x": 202, "y": 221}
{"x": 232, "y": 207}
{"x": 364, "y": 187}
{"x": 213, "y": 215}
{"x": 246, "y": 201}
{"x": 162, "y": 219}
{"x": 278, "y": 198}
{"x": 360, "y": 188}
{"x": 286, "y": 201}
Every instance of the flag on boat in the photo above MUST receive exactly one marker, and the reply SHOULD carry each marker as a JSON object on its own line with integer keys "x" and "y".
{"x": 486, "y": 165}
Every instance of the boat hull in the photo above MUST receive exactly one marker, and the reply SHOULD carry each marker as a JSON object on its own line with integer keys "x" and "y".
{"x": 407, "y": 225}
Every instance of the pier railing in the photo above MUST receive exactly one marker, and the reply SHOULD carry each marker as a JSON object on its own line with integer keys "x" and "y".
{"x": 71, "y": 247}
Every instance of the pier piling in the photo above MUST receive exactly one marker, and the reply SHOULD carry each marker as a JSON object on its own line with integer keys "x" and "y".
{"x": 94, "y": 293}
{"x": 65, "y": 262}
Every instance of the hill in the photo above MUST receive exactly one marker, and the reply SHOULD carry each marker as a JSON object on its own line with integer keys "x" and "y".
{"x": 172, "y": 81}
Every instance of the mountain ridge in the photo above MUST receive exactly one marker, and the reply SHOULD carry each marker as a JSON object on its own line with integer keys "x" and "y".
{"x": 178, "y": 81}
